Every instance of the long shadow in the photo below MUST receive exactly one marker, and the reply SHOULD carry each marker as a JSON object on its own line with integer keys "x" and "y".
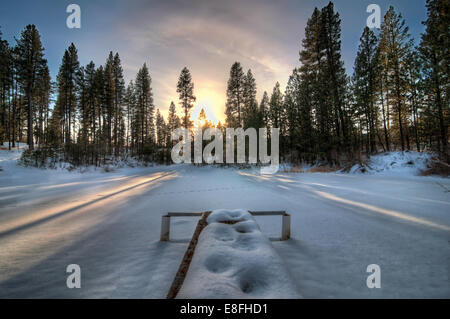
{"x": 46, "y": 279}
{"x": 70, "y": 210}
{"x": 58, "y": 183}
{"x": 12, "y": 200}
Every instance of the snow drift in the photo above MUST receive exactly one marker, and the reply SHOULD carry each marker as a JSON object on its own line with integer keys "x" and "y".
{"x": 394, "y": 163}
{"x": 233, "y": 259}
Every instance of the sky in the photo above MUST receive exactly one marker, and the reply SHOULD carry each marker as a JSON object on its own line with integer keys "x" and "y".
{"x": 205, "y": 36}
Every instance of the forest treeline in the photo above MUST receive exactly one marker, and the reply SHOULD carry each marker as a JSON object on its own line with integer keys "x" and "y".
{"x": 396, "y": 99}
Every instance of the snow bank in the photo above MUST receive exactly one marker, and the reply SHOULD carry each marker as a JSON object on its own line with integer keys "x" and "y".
{"x": 233, "y": 259}
{"x": 8, "y": 159}
{"x": 394, "y": 163}
{"x": 10, "y": 162}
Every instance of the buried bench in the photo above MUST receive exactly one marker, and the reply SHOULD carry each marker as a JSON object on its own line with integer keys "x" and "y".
{"x": 285, "y": 221}
{"x": 232, "y": 241}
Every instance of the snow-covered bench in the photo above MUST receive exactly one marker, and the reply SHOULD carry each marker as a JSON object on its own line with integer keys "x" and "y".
{"x": 285, "y": 221}
{"x": 229, "y": 257}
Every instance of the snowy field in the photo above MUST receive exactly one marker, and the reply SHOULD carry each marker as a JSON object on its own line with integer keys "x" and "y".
{"x": 109, "y": 224}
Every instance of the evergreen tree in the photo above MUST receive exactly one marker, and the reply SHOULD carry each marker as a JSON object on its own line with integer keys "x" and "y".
{"x": 30, "y": 61}
{"x": 235, "y": 96}
{"x": 44, "y": 92}
{"x": 434, "y": 52}
{"x": 119, "y": 92}
{"x": 365, "y": 85}
{"x": 250, "y": 110}
{"x": 276, "y": 108}
{"x": 144, "y": 112}
{"x": 306, "y": 129}
{"x": 415, "y": 94}
{"x": 130, "y": 102}
{"x": 384, "y": 96}
{"x": 109, "y": 97}
{"x": 395, "y": 45}
{"x": 264, "y": 111}
{"x": 323, "y": 84}
{"x": 313, "y": 90}
{"x": 185, "y": 89}
{"x": 67, "y": 91}
{"x": 91, "y": 107}
{"x": 160, "y": 129}
{"x": 82, "y": 88}
{"x": 173, "y": 122}
{"x": 292, "y": 107}
{"x": 335, "y": 72}
{"x": 6, "y": 85}
{"x": 203, "y": 120}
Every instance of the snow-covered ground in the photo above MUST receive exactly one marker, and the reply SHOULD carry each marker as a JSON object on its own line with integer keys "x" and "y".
{"x": 395, "y": 163}
{"x": 109, "y": 224}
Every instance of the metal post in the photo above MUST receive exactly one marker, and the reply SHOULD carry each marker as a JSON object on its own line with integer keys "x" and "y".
{"x": 286, "y": 227}
{"x": 165, "y": 228}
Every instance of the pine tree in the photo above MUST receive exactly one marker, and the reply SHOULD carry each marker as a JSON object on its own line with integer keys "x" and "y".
{"x": 6, "y": 84}
{"x": 30, "y": 60}
{"x": 313, "y": 90}
{"x": 173, "y": 122}
{"x": 434, "y": 53}
{"x": 119, "y": 92}
{"x": 130, "y": 105}
{"x": 276, "y": 108}
{"x": 91, "y": 108}
{"x": 395, "y": 45}
{"x": 101, "y": 134}
{"x": 110, "y": 96}
{"x": 203, "y": 120}
{"x": 323, "y": 86}
{"x": 235, "y": 96}
{"x": 415, "y": 93}
{"x": 250, "y": 110}
{"x": 264, "y": 111}
{"x": 384, "y": 96}
{"x": 365, "y": 83}
{"x": 42, "y": 100}
{"x": 173, "y": 119}
{"x": 82, "y": 88}
{"x": 185, "y": 89}
{"x": 160, "y": 130}
{"x": 144, "y": 112}
{"x": 67, "y": 91}
{"x": 292, "y": 107}
{"x": 335, "y": 72}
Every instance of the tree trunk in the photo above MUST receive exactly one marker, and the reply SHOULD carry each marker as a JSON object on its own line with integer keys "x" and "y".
{"x": 30, "y": 120}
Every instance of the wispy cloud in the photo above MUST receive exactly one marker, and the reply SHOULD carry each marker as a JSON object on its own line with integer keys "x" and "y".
{"x": 208, "y": 37}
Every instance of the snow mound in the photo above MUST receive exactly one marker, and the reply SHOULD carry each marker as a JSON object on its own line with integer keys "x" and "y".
{"x": 224, "y": 216}
{"x": 233, "y": 259}
{"x": 394, "y": 163}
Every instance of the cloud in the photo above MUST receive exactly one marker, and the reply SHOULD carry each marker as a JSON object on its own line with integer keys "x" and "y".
{"x": 208, "y": 37}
